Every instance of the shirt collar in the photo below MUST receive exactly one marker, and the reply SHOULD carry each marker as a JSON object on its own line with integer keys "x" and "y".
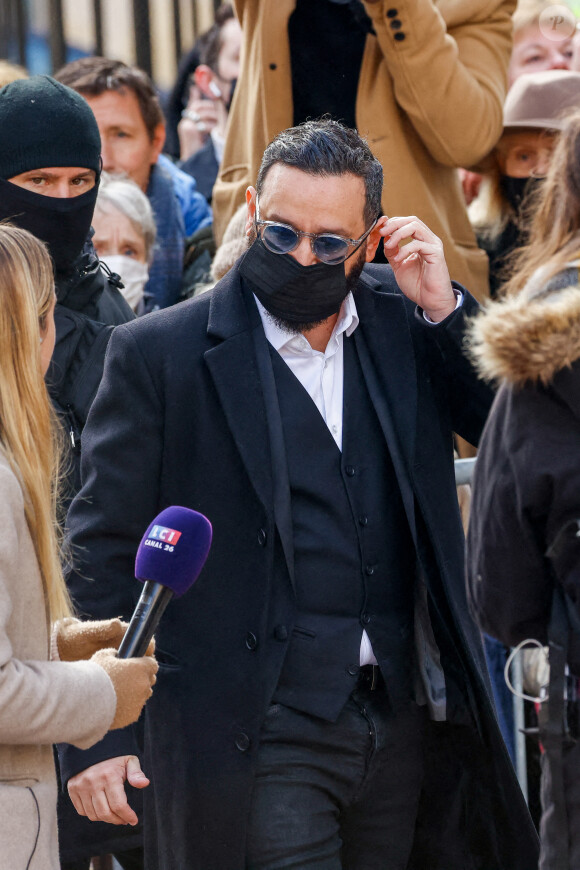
{"x": 278, "y": 337}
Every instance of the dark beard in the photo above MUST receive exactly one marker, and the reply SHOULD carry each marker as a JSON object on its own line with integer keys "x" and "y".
{"x": 351, "y": 282}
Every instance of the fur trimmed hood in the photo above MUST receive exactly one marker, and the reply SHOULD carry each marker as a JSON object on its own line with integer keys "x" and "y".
{"x": 532, "y": 336}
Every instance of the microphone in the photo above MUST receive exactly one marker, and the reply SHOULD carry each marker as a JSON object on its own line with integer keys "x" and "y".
{"x": 169, "y": 560}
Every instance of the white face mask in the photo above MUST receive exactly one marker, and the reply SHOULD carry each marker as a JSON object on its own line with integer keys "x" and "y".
{"x": 133, "y": 274}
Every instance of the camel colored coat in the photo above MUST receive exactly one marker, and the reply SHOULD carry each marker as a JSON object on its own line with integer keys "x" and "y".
{"x": 427, "y": 103}
{"x": 41, "y": 702}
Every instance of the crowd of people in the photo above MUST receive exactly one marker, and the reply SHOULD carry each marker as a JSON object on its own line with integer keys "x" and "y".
{"x": 345, "y": 245}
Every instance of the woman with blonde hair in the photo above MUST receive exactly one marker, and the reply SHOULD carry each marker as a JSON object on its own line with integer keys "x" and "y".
{"x": 524, "y": 536}
{"x": 60, "y": 681}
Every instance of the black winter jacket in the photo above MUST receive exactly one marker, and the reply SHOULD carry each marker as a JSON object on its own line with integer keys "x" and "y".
{"x": 527, "y": 478}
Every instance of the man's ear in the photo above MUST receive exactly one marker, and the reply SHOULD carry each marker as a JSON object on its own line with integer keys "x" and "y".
{"x": 202, "y": 77}
{"x": 158, "y": 141}
{"x": 373, "y": 239}
{"x": 251, "y": 204}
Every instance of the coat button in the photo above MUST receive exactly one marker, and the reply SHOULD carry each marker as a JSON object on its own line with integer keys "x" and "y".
{"x": 251, "y": 640}
{"x": 396, "y": 24}
{"x": 370, "y": 570}
{"x": 242, "y": 742}
{"x": 273, "y": 66}
{"x": 262, "y": 537}
{"x": 365, "y": 619}
{"x": 392, "y": 13}
{"x": 363, "y": 520}
{"x": 281, "y": 632}
{"x": 353, "y": 670}
{"x": 400, "y": 36}
{"x": 349, "y": 470}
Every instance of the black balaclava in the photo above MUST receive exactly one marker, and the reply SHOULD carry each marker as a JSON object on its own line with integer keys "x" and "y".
{"x": 44, "y": 124}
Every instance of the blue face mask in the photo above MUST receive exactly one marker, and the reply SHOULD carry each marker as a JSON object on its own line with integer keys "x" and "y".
{"x": 290, "y": 292}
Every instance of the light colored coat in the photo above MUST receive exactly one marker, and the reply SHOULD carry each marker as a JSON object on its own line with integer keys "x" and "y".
{"x": 427, "y": 104}
{"x": 41, "y": 702}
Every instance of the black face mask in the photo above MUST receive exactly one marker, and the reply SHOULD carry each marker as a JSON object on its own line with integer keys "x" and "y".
{"x": 62, "y": 223}
{"x": 290, "y": 292}
{"x": 516, "y": 190}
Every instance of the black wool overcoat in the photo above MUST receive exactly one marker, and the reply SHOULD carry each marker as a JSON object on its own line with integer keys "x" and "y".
{"x": 185, "y": 415}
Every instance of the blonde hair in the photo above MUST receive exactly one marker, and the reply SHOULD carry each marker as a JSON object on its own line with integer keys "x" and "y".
{"x": 554, "y": 238}
{"x": 11, "y": 72}
{"x": 28, "y": 429}
{"x": 528, "y": 13}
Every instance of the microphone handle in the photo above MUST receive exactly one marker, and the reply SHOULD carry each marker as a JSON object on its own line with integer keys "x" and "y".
{"x": 150, "y": 607}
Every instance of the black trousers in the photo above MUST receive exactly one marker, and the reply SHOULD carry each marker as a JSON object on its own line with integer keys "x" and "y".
{"x": 337, "y": 795}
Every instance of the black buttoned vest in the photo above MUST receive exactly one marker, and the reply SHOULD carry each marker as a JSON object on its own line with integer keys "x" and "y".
{"x": 353, "y": 554}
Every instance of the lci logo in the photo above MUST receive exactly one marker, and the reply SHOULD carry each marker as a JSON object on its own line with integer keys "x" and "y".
{"x": 162, "y": 533}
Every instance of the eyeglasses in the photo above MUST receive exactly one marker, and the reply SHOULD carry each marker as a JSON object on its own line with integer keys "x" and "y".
{"x": 326, "y": 247}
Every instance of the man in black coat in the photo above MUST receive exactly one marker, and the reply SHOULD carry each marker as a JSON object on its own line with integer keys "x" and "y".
{"x": 321, "y": 699}
{"x": 50, "y": 164}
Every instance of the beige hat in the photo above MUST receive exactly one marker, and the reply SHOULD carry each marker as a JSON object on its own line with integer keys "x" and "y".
{"x": 538, "y": 101}
{"x": 541, "y": 100}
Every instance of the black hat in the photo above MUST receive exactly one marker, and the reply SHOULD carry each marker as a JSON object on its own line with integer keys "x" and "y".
{"x": 44, "y": 123}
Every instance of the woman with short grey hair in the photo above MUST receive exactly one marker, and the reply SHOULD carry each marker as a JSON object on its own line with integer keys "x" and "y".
{"x": 125, "y": 236}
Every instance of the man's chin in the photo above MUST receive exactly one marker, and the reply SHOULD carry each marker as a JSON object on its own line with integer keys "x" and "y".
{"x": 294, "y": 327}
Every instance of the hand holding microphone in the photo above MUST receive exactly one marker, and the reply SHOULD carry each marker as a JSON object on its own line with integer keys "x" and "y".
{"x": 170, "y": 557}
{"x": 133, "y": 681}
{"x": 74, "y": 640}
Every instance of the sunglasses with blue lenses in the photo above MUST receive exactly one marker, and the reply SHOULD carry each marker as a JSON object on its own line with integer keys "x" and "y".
{"x": 328, "y": 248}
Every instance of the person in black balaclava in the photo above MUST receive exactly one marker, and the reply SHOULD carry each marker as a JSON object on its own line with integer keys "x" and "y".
{"x": 534, "y": 113}
{"x": 50, "y": 164}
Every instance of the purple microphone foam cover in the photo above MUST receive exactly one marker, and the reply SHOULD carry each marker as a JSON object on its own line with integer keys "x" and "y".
{"x": 174, "y": 548}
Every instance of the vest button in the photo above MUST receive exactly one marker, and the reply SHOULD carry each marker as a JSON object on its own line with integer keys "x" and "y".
{"x": 365, "y": 619}
{"x": 242, "y": 742}
{"x": 251, "y": 640}
{"x": 281, "y": 632}
{"x": 400, "y": 36}
{"x": 262, "y": 537}
{"x": 396, "y": 24}
{"x": 370, "y": 570}
{"x": 392, "y": 13}
{"x": 273, "y": 66}
{"x": 352, "y": 670}
{"x": 363, "y": 520}
{"x": 349, "y": 470}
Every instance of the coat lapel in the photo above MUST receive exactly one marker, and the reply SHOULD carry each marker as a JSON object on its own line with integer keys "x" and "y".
{"x": 386, "y": 353}
{"x": 241, "y": 370}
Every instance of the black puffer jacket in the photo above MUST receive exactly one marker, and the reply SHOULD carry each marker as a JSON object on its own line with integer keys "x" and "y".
{"x": 89, "y": 305}
{"x": 527, "y": 478}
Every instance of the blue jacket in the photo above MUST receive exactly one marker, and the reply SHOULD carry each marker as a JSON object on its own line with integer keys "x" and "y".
{"x": 179, "y": 211}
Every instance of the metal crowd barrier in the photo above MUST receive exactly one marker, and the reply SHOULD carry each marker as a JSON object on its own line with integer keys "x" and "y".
{"x": 463, "y": 474}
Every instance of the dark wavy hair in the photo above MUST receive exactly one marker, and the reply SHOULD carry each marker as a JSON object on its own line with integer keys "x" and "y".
{"x": 325, "y": 147}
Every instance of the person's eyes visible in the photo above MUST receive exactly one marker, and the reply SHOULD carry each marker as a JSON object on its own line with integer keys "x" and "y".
{"x": 129, "y": 252}
{"x": 533, "y": 58}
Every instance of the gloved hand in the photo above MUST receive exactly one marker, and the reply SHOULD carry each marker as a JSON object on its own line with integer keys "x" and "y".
{"x": 76, "y": 640}
{"x": 132, "y": 680}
